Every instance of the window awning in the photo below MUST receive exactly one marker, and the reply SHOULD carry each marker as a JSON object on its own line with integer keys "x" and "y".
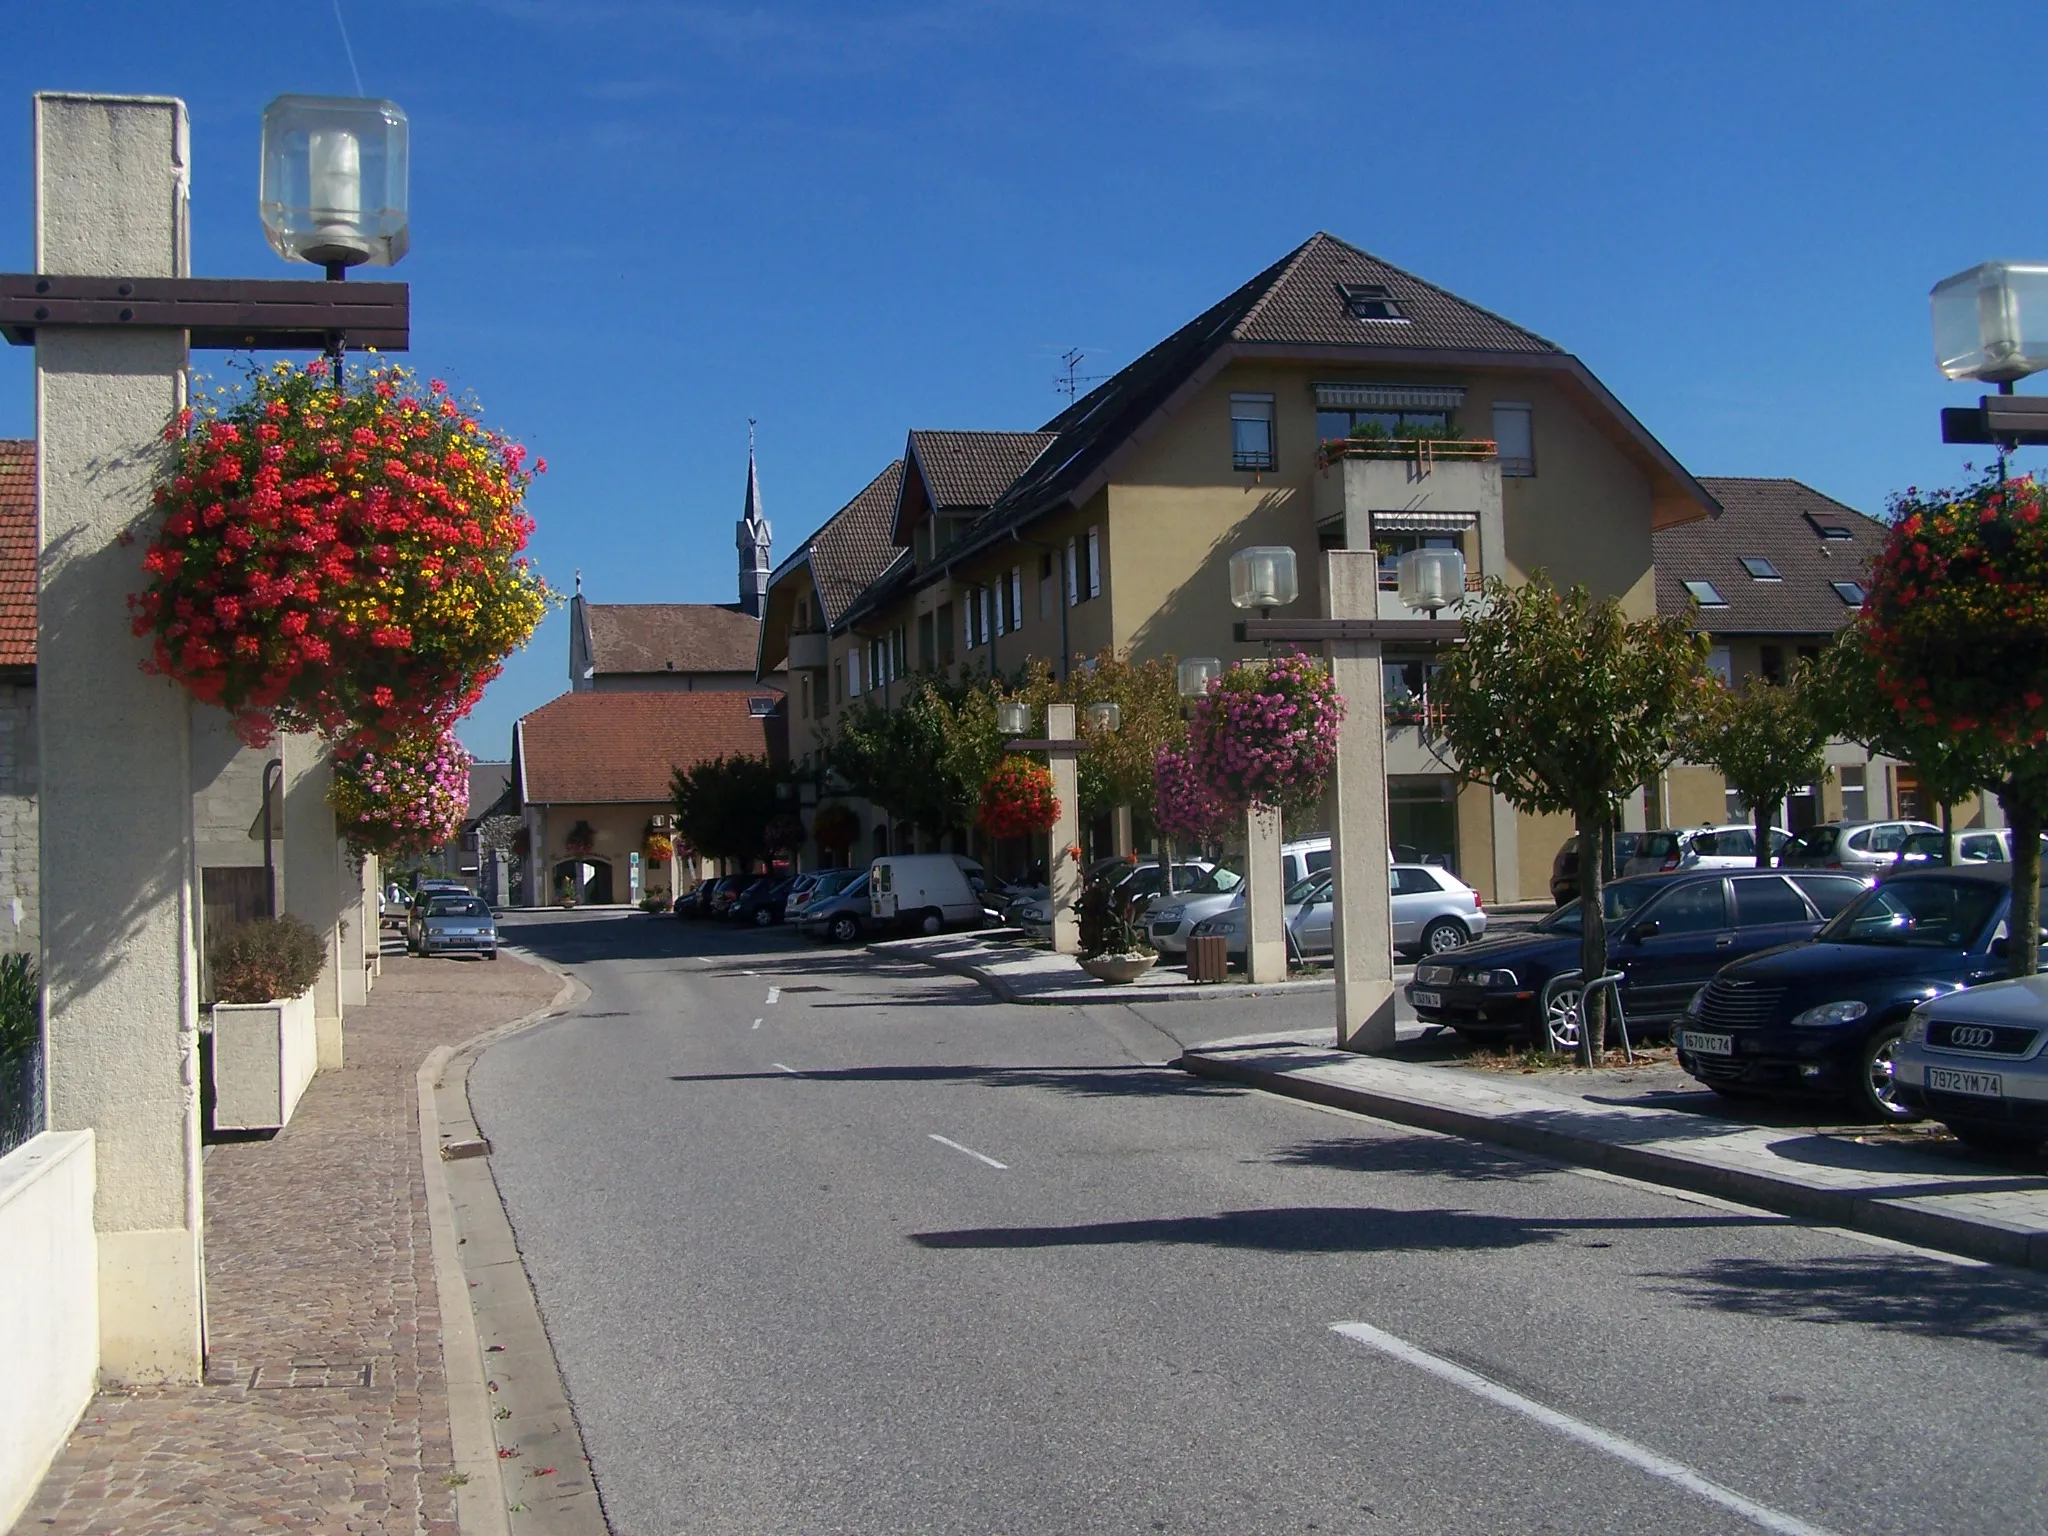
{"x": 1423, "y": 522}
{"x": 1389, "y": 397}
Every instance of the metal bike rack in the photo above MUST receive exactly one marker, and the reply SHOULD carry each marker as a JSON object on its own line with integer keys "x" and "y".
{"x": 1612, "y": 979}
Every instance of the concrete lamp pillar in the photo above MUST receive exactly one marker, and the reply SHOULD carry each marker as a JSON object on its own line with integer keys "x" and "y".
{"x": 120, "y": 967}
{"x": 358, "y": 925}
{"x": 1362, "y": 922}
{"x": 1062, "y": 869}
{"x": 312, "y": 876}
{"x": 1265, "y": 899}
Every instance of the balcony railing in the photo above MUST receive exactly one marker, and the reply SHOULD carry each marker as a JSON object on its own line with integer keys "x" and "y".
{"x": 1419, "y": 450}
{"x": 808, "y": 652}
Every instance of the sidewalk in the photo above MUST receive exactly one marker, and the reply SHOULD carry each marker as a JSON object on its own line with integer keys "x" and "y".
{"x": 1941, "y": 1199}
{"x": 325, "y": 1406}
{"x": 1018, "y": 972}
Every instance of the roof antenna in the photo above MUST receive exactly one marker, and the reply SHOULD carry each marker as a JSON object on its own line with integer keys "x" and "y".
{"x": 1070, "y": 384}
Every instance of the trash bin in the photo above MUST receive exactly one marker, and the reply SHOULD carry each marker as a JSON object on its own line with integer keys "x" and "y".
{"x": 1209, "y": 958}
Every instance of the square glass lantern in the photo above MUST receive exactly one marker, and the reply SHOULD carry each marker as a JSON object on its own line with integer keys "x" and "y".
{"x": 1991, "y": 322}
{"x": 334, "y": 180}
{"x": 1195, "y": 673}
{"x": 1431, "y": 579}
{"x": 1263, "y": 576}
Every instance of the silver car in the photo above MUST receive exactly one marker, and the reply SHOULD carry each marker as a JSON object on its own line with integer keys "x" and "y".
{"x": 1172, "y": 918}
{"x": 1433, "y": 912}
{"x": 1860, "y": 845}
{"x": 458, "y": 925}
{"x": 1977, "y": 1061}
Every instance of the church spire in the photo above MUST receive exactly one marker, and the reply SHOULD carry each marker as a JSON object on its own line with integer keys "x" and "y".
{"x": 753, "y": 536}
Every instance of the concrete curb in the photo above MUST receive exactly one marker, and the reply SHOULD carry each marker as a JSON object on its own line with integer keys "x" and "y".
{"x": 1003, "y": 991}
{"x": 488, "y": 1311}
{"x": 1895, "y": 1219}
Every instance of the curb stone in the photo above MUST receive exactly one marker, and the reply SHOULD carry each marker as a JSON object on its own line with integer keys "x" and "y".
{"x": 487, "y": 1301}
{"x": 1900, "y": 1219}
{"x": 1003, "y": 991}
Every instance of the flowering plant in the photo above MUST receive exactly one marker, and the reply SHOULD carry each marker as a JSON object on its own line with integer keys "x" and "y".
{"x": 1186, "y": 808}
{"x": 407, "y": 796}
{"x": 1017, "y": 799}
{"x": 339, "y": 556}
{"x": 659, "y": 849}
{"x": 1957, "y": 618}
{"x": 1267, "y": 736}
{"x": 581, "y": 839}
{"x": 835, "y": 827}
{"x": 785, "y": 830}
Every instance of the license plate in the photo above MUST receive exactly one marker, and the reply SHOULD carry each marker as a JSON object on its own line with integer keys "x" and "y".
{"x": 1423, "y": 999}
{"x": 1701, "y": 1044}
{"x": 1980, "y": 1085}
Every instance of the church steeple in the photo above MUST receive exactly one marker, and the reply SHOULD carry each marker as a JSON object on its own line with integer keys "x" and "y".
{"x": 753, "y": 536}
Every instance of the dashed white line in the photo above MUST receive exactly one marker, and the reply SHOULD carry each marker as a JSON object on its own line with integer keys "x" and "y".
{"x": 755, "y": 1025}
{"x": 792, "y": 1071}
{"x": 1578, "y": 1429}
{"x": 945, "y": 1141}
{"x": 774, "y": 993}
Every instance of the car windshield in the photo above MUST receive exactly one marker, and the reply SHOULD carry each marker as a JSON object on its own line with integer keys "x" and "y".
{"x": 1921, "y": 914}
{"x": 832, "y": 882}
{"x": 1314, "y": 888}
{"x": 457, "y": 906}
{"x": 858, "y": 888}
{"x": 1654, "y": 845}
{"x": 1617, "y": 900}
{"x": 1924, "y": 845}
{"x": 1218, "y": 882}
{"x": 1813, "y": 842}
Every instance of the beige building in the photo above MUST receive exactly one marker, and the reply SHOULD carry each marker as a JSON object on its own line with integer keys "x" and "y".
{"x": 1114, "y": 523}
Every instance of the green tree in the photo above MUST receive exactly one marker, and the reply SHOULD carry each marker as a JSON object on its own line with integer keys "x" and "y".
{"x": 1117, "y": 768}
{"x": 1562, "y": 705}
{"x": 723, "y": 806}
{"x": 914, "y": 760}
{"x": 1767, "y": 739}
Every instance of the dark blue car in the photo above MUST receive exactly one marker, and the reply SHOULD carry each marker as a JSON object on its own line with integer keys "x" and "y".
{"x": 1822, "y": 1018}
{"x": 1667, "y": 934}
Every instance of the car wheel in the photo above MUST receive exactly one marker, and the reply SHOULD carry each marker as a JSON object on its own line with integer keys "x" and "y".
{"x": 845, "y": 929}
{"x": 1561, "y": 1019}
{"x": 1997, "y": 1138}
{"x": 763, "y": 917}
{"x": 1878, "y": 1089}
{"x": 931, "y": 922}
{"x": 1445, "y": 934}
{"x": 491, "y": 954}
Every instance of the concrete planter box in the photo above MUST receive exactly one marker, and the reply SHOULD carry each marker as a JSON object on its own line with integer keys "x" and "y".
{"x": 1119, "y": 970}
{"x": 264, "y": 1055}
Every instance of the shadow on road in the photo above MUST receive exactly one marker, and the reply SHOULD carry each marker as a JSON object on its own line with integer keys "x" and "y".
{"x": 1329, "y": 1229}
{"x": 1082, "y": 1082}
{"x": 1432, "y": 1157}
{"x": 1899, "y": 1293}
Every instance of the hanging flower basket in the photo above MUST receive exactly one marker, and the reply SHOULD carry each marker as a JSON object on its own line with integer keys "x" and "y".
{"x": 406, "y": 797}
{"x": 1185, "y": 808}
{"x": 659, "y": 849}
{"x": 581, "y": 839}
{"x": 784, "y": 832}
{"x": 338, "y": 560}
{"x": 1267, "y": 736}
{"x": 522, "y": 842}
{"x": 834, "y": 828}
{"x": 1018, "y": 800}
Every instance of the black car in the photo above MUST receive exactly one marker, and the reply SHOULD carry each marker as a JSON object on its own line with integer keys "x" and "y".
{"x": 1564, "y": 869}
{"x": 1668, "y": 934}
{"x": 1821, "y": 1018}
{"x": 761, "y": 903}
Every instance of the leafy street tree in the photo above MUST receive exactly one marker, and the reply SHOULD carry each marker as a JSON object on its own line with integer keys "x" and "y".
{"x": 914, "y": 760}
{"x": 1957, "y": 630}
{"x": 723, "y": 806}
{"x": 1117, "y": 768}
{"x": 1562, "y": 705}
{"x": 1767, "y": 739}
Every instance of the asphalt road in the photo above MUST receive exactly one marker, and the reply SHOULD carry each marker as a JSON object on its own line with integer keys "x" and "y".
{"x": 831, "y": 1245}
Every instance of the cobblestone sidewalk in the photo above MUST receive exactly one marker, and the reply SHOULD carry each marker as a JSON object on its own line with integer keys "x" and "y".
{"x": 325, "y": 1406}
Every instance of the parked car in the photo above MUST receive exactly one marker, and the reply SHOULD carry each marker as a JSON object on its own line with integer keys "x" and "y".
{"x": 1824, "y": 1018}
{"x": 816, "y": 886}
{"x": 925, "y": 892}
{"x": 842, "y": 916}
{"x": 1868, "y": 845}
{"x": 393, "y": 907}
{"x": 761, "y": 903}
{"x": 1172, "y": 918}
{"x": 453, "y": 925}
{"x": 1667, "y": 934}
{"x": 726, "y": 891}
{"x": 1973, "y": 845}
{"x": 1731, "y": 845}
{"x": 1977, "y": 1061}
{"x": 1564, "y": 869}
{"x": 1433, "y": 911}
{"x": 416, "y": 908}
{"x": 1143, "y": 882}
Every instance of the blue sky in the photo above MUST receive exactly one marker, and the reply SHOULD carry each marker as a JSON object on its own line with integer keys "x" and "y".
{"x": 637, "y": 224}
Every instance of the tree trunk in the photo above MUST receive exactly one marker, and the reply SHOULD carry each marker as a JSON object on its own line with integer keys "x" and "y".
{"x": 1607, "y": 851}
{"x": 1593, "y": 937}
{"x": 1766, "y": 816}
{"x": 1166, "y": 865}
{"x": 2023, "y": 816}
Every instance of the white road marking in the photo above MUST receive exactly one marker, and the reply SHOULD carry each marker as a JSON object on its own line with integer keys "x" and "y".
{"x": 792, "y": 1071}
{"x": 1577, "y": 1429}
{"x": 755, "y": 1025}
{"x": 774, "y": 993}
{"x": 980, "y": 1156}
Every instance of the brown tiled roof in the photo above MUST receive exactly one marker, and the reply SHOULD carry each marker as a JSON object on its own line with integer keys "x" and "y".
{"x": 671, "y": 637}
{"x": 17, "y": 552}
{"x": 609, "y": 748}
{"x": 853, "y": 547}
{"x": 1780, "y": 520}
{"x": 969, "y": 470}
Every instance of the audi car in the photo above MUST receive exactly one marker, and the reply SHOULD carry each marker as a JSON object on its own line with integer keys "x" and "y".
{"x": 1977, "y": 1061}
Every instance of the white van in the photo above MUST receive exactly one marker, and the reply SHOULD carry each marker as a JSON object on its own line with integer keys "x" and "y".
{"x": 925, "y": 892}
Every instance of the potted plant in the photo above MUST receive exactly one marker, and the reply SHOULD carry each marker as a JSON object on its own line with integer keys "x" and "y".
{"x": 1017, "y": 799}
{"x": 264, "y": 1046}
{"x": 1113, "y": 948}
{"x": 565, "y": 892}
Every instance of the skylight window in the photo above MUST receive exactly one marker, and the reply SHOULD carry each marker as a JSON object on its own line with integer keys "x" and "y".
{"x": 760, "y": 708}
{"x": 1370, "y": 301}
{"x": 1850, "y": 592}
{"x": 1706, "y": 594}
{"x": 1829, "y": 530}
{"x": 1760, "y": 568}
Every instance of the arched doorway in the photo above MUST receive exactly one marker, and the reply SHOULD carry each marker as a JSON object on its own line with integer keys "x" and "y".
{"x": 588, "y": 881}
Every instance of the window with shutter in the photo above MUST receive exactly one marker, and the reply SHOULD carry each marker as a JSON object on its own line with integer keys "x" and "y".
{"x": 1016, "y": 597}
{"x": 1094, "y": 561}
{"x": 1514, "y": 438}
{"x": 1073, "y": 577}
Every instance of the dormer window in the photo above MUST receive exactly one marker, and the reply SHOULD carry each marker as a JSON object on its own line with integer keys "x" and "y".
{"x": 1370, "y": 301}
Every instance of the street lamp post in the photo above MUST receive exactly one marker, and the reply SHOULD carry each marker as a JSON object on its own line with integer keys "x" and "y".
{"x": 1263, "y": 577}
{"x": 1991, "y": 324}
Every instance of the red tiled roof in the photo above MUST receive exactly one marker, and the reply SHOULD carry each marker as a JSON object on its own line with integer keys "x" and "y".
{"x": 672, "y": 637}
{"x": 17, "y": 552}
{"x": 608, "y": 748}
